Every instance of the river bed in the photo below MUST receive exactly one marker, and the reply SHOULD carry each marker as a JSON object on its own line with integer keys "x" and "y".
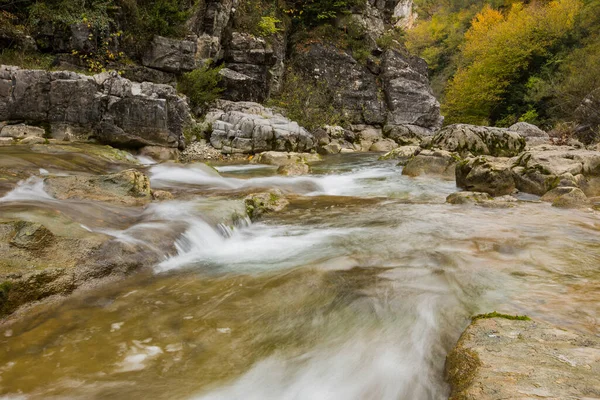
{"x": 357, "y": 290}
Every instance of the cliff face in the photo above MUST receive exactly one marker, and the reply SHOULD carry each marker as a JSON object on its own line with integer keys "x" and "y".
{"x": 354, "y": 66}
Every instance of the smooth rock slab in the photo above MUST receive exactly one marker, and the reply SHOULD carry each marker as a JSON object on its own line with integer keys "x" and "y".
{"x": 499, "y": 358}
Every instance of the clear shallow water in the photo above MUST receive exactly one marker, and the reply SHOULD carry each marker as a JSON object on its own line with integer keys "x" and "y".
{"x": 356, "y": 291}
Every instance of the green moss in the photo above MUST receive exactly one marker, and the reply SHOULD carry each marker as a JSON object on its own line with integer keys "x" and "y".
{"x": 498, "y": 315}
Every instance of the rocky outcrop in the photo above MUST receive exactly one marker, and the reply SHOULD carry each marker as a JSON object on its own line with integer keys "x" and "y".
{"x": 250, "y": 128}
{"x": 499, "y": 358}
{"x": 479, "y": 140}
{"x": 107, "y": 107}
{"x": 129, "y": 187}
{"x": 172, "y": 55}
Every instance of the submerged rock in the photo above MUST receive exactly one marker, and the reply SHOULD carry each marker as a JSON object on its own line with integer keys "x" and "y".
{"x": 260, "y": 204}
{"x": 498, "y": 358}
{"x": 468, "y": 198}
{"x": 129, "y": 187}
{"x": 432, "y": 162}
{"x": 30, "y": 236}
{"x": 479, "y": 140}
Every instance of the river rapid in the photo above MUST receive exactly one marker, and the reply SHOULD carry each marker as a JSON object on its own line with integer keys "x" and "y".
{"x": 356, "y": 291}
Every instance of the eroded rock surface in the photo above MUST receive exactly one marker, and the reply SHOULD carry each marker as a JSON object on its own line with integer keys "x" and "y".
{"x": 479, "y": 140}
{"x": 499, "y": 358}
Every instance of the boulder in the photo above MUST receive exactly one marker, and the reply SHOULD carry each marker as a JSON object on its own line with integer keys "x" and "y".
{"x": 114, "y": 110}
{"x": 432, "y": 162}
{"x": 252, "y": 128}
{"x": 486, "y": 174}
{"x": 260, "y": 204}
{"x": 129, "y": 187}
{"x": 479, "y": 140}
{"x": 500, "y": 358}
{"x": 281, "y": 158}
{"x": 409, "y": 99}
{"x": 294, "y": 169}
{"x": 528, "y": 130}
{"x": 171, "y": 55}
{"x": 383, "y": 145}
{"x": 162, "y": 195}
{"x": 21, "y": 131}
{"x": 402, "y": 154}
{"x": 567, "y": 197}
{"x": 31, "y": 140}
{"x": 239, "y": 87}
{"x": 159, "y": 153}
{"x": 406, "y": 135}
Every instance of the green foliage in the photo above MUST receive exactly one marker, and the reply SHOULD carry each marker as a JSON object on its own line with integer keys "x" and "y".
{"x": 392, "y": 39}
{"x": 307, "y": 102}
{"x": 26, "y": 59}
{"x": 268, "y": 26}
{"x": 201, "y": 85}
{"x": 498, "y": 315}
{"x": 317, "y": 12}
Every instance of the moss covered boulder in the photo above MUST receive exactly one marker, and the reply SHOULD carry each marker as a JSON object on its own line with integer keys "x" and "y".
{"x": 260, "y": 204}
{"x": 479, "y": 140}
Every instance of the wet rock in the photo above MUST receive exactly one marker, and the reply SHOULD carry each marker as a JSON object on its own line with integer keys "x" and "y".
{"x": 567, "y": 197}
{"x": 479, "y": 140}
{"x": 162, "y": 195}
{"x": 294, "y": 169}
{"x": 468, "y": 198}
{"x": 402, "y": 154}
{"x": 30, "y": 236}
{"x": 250, "y": 128}
{"x": 486, "y": 174}
{"x": 6, "y": 141}
{"x": 32, "y": 140}
{"x": 331, "y": 148}
{"x": 129, "y": 187}
{"x": 498, "y": 358}
{"x": 260, "y": 204}
{"x": 432, "y": 162}
{"x": 21, "y": 131}
{"x": 282, "y": 158}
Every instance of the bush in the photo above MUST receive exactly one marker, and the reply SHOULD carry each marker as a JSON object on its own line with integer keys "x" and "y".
{"x": 307, "y": 102}
{"x": 201, "y": 86}
{"x": 268, "y": 26}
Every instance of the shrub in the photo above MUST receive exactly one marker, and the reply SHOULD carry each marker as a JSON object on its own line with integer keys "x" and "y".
{"x": 268, "y": 26}
{"x": 201, "y": 85}
{"x": 392, "y": 39}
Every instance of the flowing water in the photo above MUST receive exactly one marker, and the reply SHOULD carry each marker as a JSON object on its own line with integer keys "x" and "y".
{"x": 356, "y": 291}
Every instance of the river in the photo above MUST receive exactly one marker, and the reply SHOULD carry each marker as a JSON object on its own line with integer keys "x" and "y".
{"x": 356, "y": 291}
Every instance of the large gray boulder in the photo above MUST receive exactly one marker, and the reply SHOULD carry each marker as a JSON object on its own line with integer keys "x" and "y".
{"x": 409, "y": 98}
{"x": 486, "y": 174}
{"x": 250, "y": 128}
{"x": 432, "y": 162}
{"x": 500, "y": 358}
{"x": 479, "y": 140}
{"x": 114, "y": 110}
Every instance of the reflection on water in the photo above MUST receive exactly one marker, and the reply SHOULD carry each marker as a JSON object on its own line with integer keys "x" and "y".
{"x": 356, "y": 291}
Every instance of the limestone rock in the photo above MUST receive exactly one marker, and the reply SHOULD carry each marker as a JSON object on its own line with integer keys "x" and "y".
{"x": 468, "y": 198}
{"x": 257, "y": 129}
{"x": 486, "y": 174}
{"x": 260, "y": 204}
{"x": 479, "y": 140}
{"x": 21, "y": 131}
{"x": 162, "y": 195}
{"x": 383, "y": 145}
{"x": 528, "y": 130}
{"x": 159, "y": 153}
{"x": 281, "y": 158}
{"x": 294, "y": 169}
{"x": 129, "y": 187}
{"x": 567, "y": 197}
{"x": 498, "y": 358}
{"x": 402, "y": 154}
{"x": 32, "y": 140}
{"x": 432, "y": 162}
{"x": 239, "y": 87}
{"x": 114, "y": 110}
{"x": 409, "y": 98}
{"x": 406, "y": 135}
{"x": 171, "y": 55}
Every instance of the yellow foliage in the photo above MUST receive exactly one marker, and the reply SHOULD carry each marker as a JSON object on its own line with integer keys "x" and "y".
{"x": 498, "y": 48}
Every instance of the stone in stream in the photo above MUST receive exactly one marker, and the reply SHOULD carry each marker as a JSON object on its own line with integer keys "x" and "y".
{"x": 279, "y": 158}
{"x": 567, "y": 197}
{"x": 21, "y": 131}
{"x": 499, "y": 358}
{"x": 432, "y": 162}
{"x": 31, "y": 236}
{"x": 468, "y": 198}
{"x": 129, "y": 187}
{"x": 294, "y": 169}
{"x": 260, "y": 204}
{"x": 486, "y": 174}
{"x": 402, "y": 154}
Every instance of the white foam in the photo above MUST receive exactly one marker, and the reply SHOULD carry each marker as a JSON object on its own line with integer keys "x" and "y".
{"x": 31, "y": 189}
